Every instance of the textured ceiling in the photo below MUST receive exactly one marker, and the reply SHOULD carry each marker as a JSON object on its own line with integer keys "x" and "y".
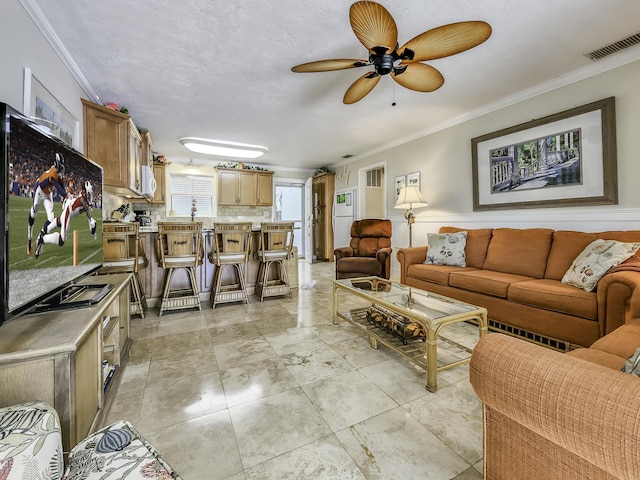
{"x": 222, "y": 69}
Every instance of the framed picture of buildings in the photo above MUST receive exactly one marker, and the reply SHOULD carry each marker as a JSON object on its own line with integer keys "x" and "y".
{"x": 42, "y": 107}
{"x": 413, "y": 180}
{"x": 400, "y": 181}
{"x": 562, "y": 160}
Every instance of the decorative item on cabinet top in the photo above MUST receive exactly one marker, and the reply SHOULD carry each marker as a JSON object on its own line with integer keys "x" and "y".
{"x": 242, "y": 166}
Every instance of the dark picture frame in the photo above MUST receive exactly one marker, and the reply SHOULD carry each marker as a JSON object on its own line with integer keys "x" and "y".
{"x": 562, "y": 160}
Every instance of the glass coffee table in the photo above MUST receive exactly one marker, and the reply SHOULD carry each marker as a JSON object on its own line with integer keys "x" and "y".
{"x": 406, "y": 319}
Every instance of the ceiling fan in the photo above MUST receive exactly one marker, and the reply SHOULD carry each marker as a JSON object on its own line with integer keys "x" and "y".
{"x": 375, "y": 28}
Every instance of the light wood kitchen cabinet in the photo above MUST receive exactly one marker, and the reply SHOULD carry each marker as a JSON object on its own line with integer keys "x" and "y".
{"x": 56, "y": 357}
{"x": 147, "y": 148}
{"x": 135, "y": 159}
{"x": 159, "y": 196}
{"x": 245, "y": 187}
{"x": 152, "y": 277}
{"x": 265, "y": 189}
{"x": 112, "y": 140}
{"x": 323, "y": 187}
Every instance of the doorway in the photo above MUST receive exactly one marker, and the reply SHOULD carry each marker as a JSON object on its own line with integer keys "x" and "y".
{"x": 289, "y": 203}
{"x": 372, "y": 191}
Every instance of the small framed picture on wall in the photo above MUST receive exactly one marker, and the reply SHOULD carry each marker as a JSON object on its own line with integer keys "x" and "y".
{"x": 413, "y": 180}
{"x": 400, "y": 181}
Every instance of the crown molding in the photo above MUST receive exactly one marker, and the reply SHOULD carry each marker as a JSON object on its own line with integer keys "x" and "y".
{"x": 52, "y": 37}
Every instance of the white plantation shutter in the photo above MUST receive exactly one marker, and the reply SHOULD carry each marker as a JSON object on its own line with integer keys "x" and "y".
{"x": 186, "y": 188}
{"x": 374, "y": 177}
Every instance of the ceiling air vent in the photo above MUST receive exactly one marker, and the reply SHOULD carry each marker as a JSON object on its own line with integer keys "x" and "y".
{"x": 615, "y": 47}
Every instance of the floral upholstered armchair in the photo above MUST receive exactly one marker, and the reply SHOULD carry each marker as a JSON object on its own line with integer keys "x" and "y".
{"x": 31, "y": 448}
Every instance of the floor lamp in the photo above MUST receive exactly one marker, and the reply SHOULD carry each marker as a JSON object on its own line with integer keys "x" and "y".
{"x": 408, "y": 199}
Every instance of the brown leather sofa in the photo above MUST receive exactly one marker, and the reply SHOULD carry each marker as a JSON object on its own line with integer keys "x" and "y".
{"x": 516, "y": 273}
{"x": 369, "y": 251}
{"x": 550, "y": 415}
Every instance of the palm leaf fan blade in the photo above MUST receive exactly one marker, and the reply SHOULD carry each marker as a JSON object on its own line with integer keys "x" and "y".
{"x": 328, "y": 65}
{"x": 419, "y": 77}
{"x": 447, "y": 40}
{"x": 373, "y": 25}
{"x": 360, "y": 88}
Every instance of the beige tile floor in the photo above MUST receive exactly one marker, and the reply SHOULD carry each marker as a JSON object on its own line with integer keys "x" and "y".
{"x": 274, "y": 390}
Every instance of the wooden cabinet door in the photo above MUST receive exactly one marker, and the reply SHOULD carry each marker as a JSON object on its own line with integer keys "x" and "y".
{"x": 227, "y": 187}
{"x": 265, "y": 189}
{"x": 159, "y": 195}
{"x": 105, "y": 142}
{"x": 147, "y": 148}
{"x": 87, "y": 368}
{"x": 247, "y": 188}
{"x": 135, "y": 159}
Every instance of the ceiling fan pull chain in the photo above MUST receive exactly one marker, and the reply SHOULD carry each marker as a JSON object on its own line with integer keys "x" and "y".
{"x": 393, "y": 87}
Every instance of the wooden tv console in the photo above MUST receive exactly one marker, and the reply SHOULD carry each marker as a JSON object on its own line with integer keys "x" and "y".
{"x": 57, "y": 356}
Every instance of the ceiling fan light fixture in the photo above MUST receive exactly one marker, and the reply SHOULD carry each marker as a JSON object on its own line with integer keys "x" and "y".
{"x": 223, "y": 149}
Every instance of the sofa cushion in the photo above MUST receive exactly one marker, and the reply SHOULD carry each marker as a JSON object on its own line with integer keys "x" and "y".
{"x": 598, "y": 356}
{"x": 595, "y": 260}
{"x": 627, "y": 236}
{"x": 485, "y": 281}
{"x": 622, "y": 342}
{"x": 555, "y": 296}
{"x": 30, "y": 442}
{"x": 520, "y": 252}
{"x": 566, "y": 246}
{"x": 435, "y": 273}
{"x": 446, "y": 249}
{"x": 477, "y": 244}
{"x": 116, "y": 452}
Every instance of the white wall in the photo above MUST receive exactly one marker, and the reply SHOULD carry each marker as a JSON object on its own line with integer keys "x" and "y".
{"x": 24, "y": 46}
{"x": 444, "y": 160}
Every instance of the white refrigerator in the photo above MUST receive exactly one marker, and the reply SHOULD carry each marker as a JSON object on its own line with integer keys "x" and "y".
{"x": 344, "y": 213}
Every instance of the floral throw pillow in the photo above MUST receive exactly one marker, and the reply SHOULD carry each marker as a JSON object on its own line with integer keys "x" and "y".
{"x": 595, "y": 260}
{"x": 447, "y": 249}
{"x": 117, "y": 452}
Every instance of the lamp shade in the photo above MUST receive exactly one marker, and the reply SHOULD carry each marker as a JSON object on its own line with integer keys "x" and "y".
{"x": 410, "y": 197}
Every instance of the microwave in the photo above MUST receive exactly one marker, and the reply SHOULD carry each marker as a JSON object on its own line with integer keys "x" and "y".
{"x": 148, "y": 182}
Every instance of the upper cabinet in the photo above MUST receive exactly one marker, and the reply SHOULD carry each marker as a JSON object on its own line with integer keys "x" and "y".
{"x": 112, "y": 140}
{"x": 245, "y": 187}
{"x": 147, "y": 148}
{"x": 264, "y": 195}
{"x": 159, "y": 174}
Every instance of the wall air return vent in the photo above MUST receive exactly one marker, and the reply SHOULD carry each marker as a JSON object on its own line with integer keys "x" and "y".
{"x": 614, "y": 47}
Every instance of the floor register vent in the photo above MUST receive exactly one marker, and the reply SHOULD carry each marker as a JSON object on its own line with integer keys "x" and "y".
{"x": 614, "y": 47}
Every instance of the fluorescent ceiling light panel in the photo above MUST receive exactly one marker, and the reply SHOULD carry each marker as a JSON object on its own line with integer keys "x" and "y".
{"x": 223, "y": 149}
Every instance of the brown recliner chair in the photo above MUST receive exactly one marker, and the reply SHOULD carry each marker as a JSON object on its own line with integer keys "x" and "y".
{"x": 369, "y": 252}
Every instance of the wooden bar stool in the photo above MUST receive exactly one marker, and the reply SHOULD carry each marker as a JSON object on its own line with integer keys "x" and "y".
{"x": 276, "y": 242}
{"x": 179, "y": 245}
{"x": 123, "y": 252}
{"x": 230, "y": 247}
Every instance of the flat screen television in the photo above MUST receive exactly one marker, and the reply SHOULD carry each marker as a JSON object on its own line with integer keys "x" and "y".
{"x": 44, "y": 180}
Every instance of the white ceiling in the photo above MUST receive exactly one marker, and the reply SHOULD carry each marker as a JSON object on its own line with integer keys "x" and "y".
{"x": 222, "y": 70}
